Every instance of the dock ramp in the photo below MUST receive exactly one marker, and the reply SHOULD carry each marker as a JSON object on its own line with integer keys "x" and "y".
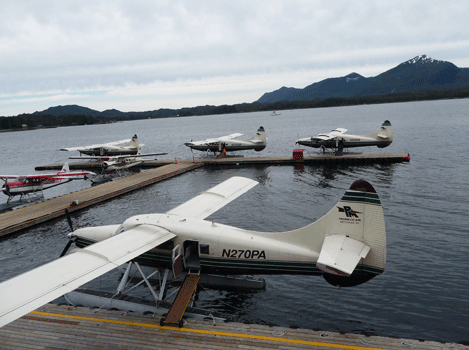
{"x": 180, "y": 303}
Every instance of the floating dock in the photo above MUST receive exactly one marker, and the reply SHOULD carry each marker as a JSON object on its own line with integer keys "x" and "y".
{"x": 317, "y": 159}
{"x": 16, "y": 220}
{"x": 67, "y": 327}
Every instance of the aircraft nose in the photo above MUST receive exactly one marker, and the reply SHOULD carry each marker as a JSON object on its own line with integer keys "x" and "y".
{"x": 105, "y": 165}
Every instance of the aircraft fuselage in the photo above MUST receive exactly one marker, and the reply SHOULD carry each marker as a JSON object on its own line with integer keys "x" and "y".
{"x": 347, "y": 141}
{"x": 229, "y": 146}
{"x": 223, "y": 249}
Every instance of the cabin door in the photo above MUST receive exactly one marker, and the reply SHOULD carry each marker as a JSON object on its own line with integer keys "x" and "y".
{"x": 191, "y": 255}
{"x": 176, "y": 259}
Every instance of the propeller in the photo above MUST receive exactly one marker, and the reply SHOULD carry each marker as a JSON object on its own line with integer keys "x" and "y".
{"x": 69, "y": 219}
{"x": 7, "y": 188}
{"x": 74, "y": 238}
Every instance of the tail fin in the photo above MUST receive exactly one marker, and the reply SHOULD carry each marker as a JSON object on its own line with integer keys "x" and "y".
{"x": 350, "y": 239}
{"x": 259, "y": 138}
{"x": 356, "y": 226}
{"x": 133, "y": 142}
{"x": 383, "y": 134}
{"x": 65, "y": 168}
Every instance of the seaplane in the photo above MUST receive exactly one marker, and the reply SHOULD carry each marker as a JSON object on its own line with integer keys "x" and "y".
{"x": 33, "y": 185}
{"x": 229, "y": 143}
{"x": 338, "y": 139}
{"x": 122, "y": 147}
{"x": 347, "y": 247}
{"x": 115, "y": 165}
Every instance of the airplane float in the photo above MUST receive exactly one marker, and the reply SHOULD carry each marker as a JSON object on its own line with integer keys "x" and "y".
{"x": 228, "y": 143}
{"x": 24, "y": 185}
{"x": 109, "y": 149}
{"x": 338, "y": 140}
{"x": 347, "y": 246}
{"x": 116, "y": 164}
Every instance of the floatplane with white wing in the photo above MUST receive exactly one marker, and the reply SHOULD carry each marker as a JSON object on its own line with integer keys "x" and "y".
{"x": 230, "y": 143}
{"x": 347, "y": 246}
{"x": 114, "y": 165}
{"x": 115, "y": 148}
{"x": 338, "y": 139}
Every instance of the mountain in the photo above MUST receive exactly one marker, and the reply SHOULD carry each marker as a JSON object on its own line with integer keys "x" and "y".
{"x": 332, "y": 87}
{"x": 70, "y": 110}
{"x": 417, "y": 74}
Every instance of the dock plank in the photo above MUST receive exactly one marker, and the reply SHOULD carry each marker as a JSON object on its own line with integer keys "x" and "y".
{"x": 314, "y": 159}
{"x": 64, "y": 327}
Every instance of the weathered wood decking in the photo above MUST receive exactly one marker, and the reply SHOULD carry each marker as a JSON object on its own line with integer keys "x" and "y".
{"x": 67, "y": 327}
{"x": 16, "y": 220}
{"x": 317, "y": 159}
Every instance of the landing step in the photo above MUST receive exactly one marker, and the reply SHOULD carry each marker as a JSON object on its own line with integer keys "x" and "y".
{"x": 180, "y": 303}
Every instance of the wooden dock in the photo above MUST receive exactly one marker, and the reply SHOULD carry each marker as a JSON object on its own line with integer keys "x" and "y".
{"x": 16, "y": 220}
{"x": 66, "y": 327}
{"x": 317, "y": 159}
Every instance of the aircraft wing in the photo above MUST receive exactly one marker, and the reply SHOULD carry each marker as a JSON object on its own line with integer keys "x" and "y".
{"x": 9, "y": 176}
{"x": 119, "y": 157}
{"x": 331, "y": 135}
{"x": 140, "y": 155}
{"x": 30, "y": 290}
{"x": 84, "y": 148}
{"x": 229, "y": 137}
{"x": 208, "y": 202}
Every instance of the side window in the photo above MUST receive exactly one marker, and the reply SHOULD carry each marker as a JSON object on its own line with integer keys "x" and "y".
{"x": 168, "y": 245}
{"x": 204, "y": 249}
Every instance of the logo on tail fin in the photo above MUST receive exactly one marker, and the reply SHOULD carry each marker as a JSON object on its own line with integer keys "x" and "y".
{"x": 349, "y": 212}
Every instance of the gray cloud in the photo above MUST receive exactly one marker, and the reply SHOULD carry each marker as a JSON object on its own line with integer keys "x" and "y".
{"x": 232, "y": 51}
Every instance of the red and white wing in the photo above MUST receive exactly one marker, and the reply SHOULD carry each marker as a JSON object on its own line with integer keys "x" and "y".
{"x": 4, "y": 177}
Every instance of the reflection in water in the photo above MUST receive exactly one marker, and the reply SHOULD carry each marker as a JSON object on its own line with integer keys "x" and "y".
{"x": 325, "y": 176}
{"x": 423, "y": 291}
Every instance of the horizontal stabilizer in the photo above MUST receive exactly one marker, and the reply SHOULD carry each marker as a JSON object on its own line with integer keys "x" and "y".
{"x": 383, "y": 136}
{"x": 340, "y": 254}
{"x": 208, "y": 202}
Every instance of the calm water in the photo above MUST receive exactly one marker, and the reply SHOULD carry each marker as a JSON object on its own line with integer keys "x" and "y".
{"x": 421, "y": 295}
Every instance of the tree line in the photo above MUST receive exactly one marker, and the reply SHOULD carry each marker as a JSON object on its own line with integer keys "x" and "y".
{"x": 31, "y": 121}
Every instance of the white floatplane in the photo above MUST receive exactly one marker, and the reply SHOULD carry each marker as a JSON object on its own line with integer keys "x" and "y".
{"x": 27, "y": 185}
{"x": 338, "y": 139}
{"x": 229, "y": 143}
{"x": 347, "y": 246}
{"x": 115, "y": 164}
{"x": 109, "y": 149}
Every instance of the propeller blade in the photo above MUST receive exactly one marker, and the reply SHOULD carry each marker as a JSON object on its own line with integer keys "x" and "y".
{"x": 68, "y": 246}
{"x": 69, "y": 219}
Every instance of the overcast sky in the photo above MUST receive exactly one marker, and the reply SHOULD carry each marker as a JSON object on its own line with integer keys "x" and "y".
{"x": 146, "y": 55}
